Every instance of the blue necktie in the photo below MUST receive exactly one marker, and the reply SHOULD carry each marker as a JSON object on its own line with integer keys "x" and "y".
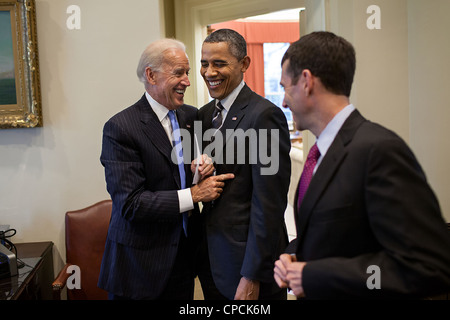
{"x": 176, "y": 139}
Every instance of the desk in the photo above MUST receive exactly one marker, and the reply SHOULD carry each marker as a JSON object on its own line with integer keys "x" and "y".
{"x": 34, "y": 281}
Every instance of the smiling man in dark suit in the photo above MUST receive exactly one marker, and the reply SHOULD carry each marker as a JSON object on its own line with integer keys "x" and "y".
{"x": 368, "y": 225}
{"x": 153, "y": 231}
{"x": 245, "y": 229}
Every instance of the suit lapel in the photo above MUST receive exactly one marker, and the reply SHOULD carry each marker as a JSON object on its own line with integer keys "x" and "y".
{"x": 157, "y": 135}
{"x": 207, "y": 119}
{"x": 237, "y": 110}
{"x": 153, "y": 129}
{"x": 327, "y": 169}
{"x": 330, "y": 163}
{"x": 235, "y": 114}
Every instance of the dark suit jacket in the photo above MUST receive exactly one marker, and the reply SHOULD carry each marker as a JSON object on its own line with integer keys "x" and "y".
{"x": 369, "y": 204}
{"x": 245, "y": 226}
{"x": 142, "y": 180}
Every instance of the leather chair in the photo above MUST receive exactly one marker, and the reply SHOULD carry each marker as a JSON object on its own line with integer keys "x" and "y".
{"x": 86, "y": 231}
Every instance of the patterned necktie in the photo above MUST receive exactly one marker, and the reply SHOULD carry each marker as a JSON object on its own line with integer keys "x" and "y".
{"x": 217, "y": 116}
{"x": 216, "y": 122}
{"x": 176, "y": 139}
{"x": 307, "y": 173}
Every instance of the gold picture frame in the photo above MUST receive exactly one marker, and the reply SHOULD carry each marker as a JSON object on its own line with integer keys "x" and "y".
{"x": 20, "y": 91}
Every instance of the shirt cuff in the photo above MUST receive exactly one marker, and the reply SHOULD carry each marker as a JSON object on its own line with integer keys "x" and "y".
{"x": 185, "y": 200}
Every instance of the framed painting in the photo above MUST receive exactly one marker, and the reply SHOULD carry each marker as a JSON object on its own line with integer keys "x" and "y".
{"x": 20, "y": 94}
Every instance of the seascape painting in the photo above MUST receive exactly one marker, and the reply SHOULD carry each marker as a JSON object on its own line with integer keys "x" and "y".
{"x": 7, "y": 73}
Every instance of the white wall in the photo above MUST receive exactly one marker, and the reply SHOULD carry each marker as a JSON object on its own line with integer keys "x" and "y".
{"x": 381, "y": 79}
{"x": 87, "y": 76}
{"x": 403, "y": 77}
{"x": 402, "y": 73}
{"x": 429, "y": 70}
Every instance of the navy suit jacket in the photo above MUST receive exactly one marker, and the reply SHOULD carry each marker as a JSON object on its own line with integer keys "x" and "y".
{"x": 142, "y": 180}
{"x": 369, "y": 204}
{"x": 245, "y": 226}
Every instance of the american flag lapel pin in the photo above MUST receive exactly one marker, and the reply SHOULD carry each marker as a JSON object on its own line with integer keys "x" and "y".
{"x": 188, "y": 126}
{"x": 234, "y": 118}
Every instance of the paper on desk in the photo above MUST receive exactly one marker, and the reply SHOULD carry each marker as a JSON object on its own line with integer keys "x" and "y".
{"x": 196, "y": 173}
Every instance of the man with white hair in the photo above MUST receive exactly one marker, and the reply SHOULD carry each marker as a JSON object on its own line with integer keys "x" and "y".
{"x": 153, "y": 228}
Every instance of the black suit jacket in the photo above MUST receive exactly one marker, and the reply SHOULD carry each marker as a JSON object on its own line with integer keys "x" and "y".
{"x": 369, "y": 204}
{"x": 245, "y": 226}
{"x": 142, "y": 180}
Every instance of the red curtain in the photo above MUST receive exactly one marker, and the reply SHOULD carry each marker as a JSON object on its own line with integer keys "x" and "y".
{"x": 256, "y": 34}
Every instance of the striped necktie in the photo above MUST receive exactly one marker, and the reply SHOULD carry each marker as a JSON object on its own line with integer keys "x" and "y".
{"x": 217, "y": 116}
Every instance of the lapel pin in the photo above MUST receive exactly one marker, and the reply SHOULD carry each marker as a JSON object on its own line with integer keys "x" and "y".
{"x": 188, "y": 126}
{"x": 234, "y": 118}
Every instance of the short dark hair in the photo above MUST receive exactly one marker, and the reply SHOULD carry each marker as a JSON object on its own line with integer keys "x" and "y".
{"x": 327, "y": 56}
{"x": 236, "y": 42}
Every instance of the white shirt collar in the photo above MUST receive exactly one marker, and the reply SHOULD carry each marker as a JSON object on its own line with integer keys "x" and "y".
{"x": 328, "y": 135}
{"x": 159, "y": 109}
{"x": 229, "y": 100}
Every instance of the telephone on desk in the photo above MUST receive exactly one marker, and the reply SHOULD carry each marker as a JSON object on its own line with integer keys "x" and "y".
{"x": 8, "y": 260}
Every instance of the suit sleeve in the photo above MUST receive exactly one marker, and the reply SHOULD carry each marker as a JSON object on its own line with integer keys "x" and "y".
{"x": 126, "y": 179}
{"x": 270, "y": 177}
{"x": 405, "y": 217}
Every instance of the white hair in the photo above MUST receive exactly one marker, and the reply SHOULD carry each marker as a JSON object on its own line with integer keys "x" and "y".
{"x": 153, "y": 56}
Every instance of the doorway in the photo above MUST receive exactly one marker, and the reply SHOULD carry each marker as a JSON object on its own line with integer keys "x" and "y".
{"x": 268, "y": 36}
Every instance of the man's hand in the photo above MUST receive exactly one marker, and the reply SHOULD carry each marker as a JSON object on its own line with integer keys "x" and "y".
{"x": 294, "y": 278}
{"x": 247, "y": 290}
{"x": 280, "y": 271}
{"x": 205, "y": 166}
{"x": 288, "y": 274}
{"x": 210, "y": 188}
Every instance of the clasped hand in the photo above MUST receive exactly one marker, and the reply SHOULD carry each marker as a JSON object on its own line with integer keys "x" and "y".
{"x": 288, "y": 274}
{"x": 205, "y": 166}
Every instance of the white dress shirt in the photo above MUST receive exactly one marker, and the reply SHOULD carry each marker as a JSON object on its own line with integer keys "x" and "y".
{"x": 184, "y": 195}
{"x": 228, "y": 101}
{"x": 328, "y": 135}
